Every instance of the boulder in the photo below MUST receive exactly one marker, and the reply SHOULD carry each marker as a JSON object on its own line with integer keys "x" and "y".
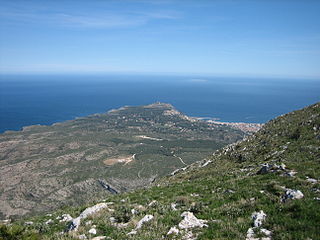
{"x": 312, "y": 180}
{"x": 264, "y": 169}
{"x": 190, "y": 221}
{"x": 82, "y": 237}
{"x": 145, "y": 219}
{"x": 258, "y": 218}
{"x": 93, "y": 231}
{"x": 173, "y": 230}
{"x": 152, "y": 203}
{"x": 65, "y": 218}
{"x": 99, "y": 238}
{"x": 74, "y": 225}
{"x": 292, "y": 194}
{"x": 50, "y": 221}
{"x": 174, "y": 206}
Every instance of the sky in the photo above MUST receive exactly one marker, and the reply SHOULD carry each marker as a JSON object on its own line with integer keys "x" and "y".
{"x": 239, "y": 38}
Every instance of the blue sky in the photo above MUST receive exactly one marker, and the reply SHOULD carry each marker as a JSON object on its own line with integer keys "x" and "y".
{"x": 239, "y": 38}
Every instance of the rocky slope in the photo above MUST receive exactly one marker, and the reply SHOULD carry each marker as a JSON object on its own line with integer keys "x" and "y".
{"x": 78, "y": 161}
{"x": 264, "y": 187}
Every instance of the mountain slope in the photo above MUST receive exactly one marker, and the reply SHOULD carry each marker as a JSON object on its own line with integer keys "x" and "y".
{"x": 75, "y": 162}
{"x": 266, "y": 186}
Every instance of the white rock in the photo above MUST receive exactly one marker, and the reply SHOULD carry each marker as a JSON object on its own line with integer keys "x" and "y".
{"x": 145, "y": 219}
{"x": 49, "y": 221}
{"x": 312, "y": 180}
{"x": 133, "y": 211}
{"x": 5, "y": 221}
{"x": 152, "y": 203}
{"x": 194, "y": 195}
{"x": 250, "y": 234}
{"x": 290, "y": 173}
{"x": 283, "y": 166}
{"x": 93, "y": 231}
{"x": 91, "y": 210}
{"x": 266, "y": 232}
{"x": 189, "y": 236}
{"x": 206, "y": 163}
{"x": 293, "y": 194}
{"x": 173, "y": 230}
{"x": 258, "y": 218}
{"x": 88, "y": 222}
{"x": 66, "y": 218}
{"x": 133, "y": 232}
{"x": 174, "y": 206}
{"x": 28, "y": 223}
{"x": 190, "y": 221}
{"x": 99, "y": 238}
{"x": 87, "y": 212}
{"x": 82, "y": 237}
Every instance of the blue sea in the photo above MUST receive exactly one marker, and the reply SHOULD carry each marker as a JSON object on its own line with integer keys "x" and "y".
{"x": 46, "y": 99}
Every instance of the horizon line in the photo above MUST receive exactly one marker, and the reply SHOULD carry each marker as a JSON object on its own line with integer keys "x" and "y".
{"x": 203, "y": 74}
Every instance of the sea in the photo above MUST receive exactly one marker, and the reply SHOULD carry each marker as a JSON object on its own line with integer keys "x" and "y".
{"x": 46, "y": 99}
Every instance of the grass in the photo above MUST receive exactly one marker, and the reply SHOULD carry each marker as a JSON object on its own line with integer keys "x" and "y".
{"x": 225, "y": 192}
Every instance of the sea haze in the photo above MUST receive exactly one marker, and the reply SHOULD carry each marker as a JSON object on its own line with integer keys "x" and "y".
{"x": 29, "y": 100}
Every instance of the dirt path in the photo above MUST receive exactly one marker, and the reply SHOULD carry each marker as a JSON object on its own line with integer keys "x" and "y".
{"x": 179, "y": 159}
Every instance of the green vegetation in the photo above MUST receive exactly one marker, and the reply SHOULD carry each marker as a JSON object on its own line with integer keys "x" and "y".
{"x": 224, "y": 191}
{"x": 43, "y": 168}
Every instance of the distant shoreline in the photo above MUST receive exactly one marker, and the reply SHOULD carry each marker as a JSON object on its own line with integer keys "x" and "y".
{"x": 245, "y": 127}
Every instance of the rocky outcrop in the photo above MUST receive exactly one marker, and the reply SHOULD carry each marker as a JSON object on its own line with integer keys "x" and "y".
{"x": 190, "y": 221}
{"x": 74, "y": 225}
{"x": 292, "y": 194}
{"x": 258, "y": 219}
{"x": 145, "y": 219}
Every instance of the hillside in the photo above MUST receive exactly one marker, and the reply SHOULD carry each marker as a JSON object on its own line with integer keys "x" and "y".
{"x": 264, "y": 187}
{"x": 76, "y": 162}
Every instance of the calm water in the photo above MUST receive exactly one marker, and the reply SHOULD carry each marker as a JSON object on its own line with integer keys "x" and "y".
{"x": 28, "y": 100}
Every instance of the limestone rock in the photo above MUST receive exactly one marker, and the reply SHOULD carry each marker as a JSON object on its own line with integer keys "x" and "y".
{"x": 266, "y": 232}
{"x": 99, "y": 238}
{"x": 145, "y": 219}
{"x": 174, "y": 206}
{"x": 66, "y": 218}
{"x": 258, "y": 218}
{"x": 152, "y": 203}
{"x": 82, "y": 237}
{"x": 173, "y": 230}
{"x": 250, "y": 234}
{"x": 133, "y": 232}
{"x": 87, "y": 212}
{"x": 190, "y": 221}
{"x": 292, "y": 194}
{"x": 50, "y": 221}
{"x": 93, "y": 231}
{"x": 312, "y": 180}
